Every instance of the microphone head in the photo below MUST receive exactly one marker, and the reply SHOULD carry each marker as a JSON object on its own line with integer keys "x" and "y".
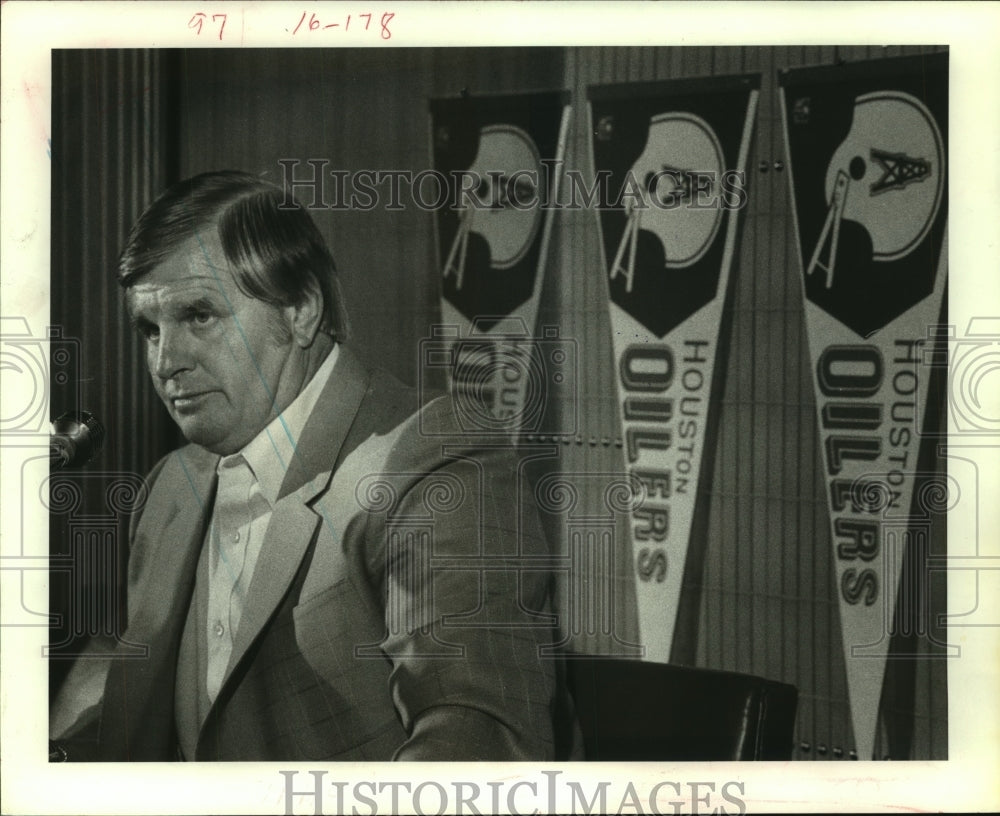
{"x": 76, "y": 438}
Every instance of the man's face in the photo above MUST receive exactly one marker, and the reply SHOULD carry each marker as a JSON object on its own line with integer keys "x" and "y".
{"x": 216, "y": 356}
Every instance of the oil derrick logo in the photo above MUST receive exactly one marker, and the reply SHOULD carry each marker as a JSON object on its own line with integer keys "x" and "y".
{"x": 884, "y": 188}
{"x": 681, "y": 151}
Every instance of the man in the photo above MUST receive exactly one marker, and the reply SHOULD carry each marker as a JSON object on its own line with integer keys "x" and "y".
{"x": 280, "y": 571}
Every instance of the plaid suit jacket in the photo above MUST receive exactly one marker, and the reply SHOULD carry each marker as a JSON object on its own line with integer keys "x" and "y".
{"x": 394, "y": 612}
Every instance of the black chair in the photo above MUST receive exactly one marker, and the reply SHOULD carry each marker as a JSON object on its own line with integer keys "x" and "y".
{"x": 634, "y": 710}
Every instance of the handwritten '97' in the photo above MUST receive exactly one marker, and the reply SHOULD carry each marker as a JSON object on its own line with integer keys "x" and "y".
{"x": 198, "y": 21}
{"x": 360, "y": 22}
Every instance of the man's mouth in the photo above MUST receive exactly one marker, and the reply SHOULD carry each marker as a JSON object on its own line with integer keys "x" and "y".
{"x": 186, "y": 402}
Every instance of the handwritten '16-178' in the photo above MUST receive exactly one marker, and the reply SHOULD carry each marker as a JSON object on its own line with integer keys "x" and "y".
{"x": 314, "y": 24}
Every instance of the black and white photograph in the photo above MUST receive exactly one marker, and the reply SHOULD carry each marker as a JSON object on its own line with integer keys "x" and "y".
{"x": 440, "y": 409}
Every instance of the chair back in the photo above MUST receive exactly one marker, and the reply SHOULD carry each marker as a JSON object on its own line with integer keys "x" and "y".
{"x": 635, "y": 710}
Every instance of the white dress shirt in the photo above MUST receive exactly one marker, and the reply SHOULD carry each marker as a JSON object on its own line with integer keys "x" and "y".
{"x": 249, "y": 482}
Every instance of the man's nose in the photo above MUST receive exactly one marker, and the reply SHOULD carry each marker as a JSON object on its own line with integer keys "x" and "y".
{"x": 173, "y": 353}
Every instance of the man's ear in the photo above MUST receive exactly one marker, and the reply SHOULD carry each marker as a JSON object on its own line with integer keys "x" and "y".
{"x": 306, "y": 316}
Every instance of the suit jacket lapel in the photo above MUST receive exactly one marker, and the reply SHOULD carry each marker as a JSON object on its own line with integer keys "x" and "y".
{"x": 293, "y": 522}
{"x": 137, "y": 718}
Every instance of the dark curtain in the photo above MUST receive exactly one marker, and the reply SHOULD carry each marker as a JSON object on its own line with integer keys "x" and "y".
{"x": 113, "y": 149}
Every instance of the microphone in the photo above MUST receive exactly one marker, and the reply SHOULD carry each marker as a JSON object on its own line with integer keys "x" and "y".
{"x": 76, "y": 438}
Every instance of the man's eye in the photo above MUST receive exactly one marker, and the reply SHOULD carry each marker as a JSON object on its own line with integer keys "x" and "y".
{"x": 202, "y": 318}
{"x": 149, "y": 331}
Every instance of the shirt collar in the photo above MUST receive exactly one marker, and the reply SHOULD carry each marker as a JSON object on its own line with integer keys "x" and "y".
{"x": 269, "y": 454}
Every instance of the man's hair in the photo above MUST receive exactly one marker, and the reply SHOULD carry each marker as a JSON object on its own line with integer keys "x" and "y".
{"x": 274, "y": 249}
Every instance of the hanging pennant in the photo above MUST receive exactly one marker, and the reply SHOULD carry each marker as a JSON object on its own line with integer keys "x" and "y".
{"x": 500, "y": 159}
{"x": 867, "y": 154}
{"x": 670, "y": 162}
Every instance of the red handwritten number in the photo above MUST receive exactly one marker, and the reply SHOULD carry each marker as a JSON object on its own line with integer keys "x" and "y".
{"x": 314, "y": 23}
{"x": 221, "y": 27}
{"x": 198, "y": 20}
